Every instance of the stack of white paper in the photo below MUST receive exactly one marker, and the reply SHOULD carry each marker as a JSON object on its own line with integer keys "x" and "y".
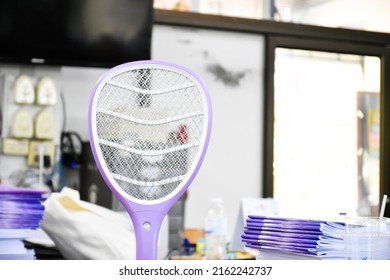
{"x": 283, "y": 238}
{"x": 21, "y": 211}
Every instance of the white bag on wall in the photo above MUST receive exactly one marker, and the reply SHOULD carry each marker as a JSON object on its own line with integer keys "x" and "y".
{"x": 82, "y": 230}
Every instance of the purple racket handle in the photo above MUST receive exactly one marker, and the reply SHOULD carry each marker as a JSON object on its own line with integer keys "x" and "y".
{"x": 147, "y": 227}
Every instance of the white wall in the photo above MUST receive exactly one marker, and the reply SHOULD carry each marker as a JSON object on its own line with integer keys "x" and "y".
{"x": 233, "y": 164}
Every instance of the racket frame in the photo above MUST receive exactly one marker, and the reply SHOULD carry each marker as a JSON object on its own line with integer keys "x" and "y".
{"x": 147, "y": 215}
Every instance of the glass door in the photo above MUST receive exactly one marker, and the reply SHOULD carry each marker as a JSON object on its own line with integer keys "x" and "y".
{"x": 326, "y": 133}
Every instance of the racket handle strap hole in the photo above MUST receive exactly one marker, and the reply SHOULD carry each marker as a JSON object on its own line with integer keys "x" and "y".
{"x": 146, "y": 226}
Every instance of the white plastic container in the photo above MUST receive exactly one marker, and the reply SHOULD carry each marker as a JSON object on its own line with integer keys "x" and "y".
{"x": 216, "y": 231}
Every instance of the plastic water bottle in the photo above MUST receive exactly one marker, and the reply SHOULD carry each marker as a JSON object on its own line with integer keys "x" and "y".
{"x": 216, "y": 231}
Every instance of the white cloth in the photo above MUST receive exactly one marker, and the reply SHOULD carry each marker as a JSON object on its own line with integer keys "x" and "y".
{"x": 85, "y": 231}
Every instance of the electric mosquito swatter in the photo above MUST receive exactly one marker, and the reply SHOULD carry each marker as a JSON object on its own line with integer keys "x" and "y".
{"x": 149, "y": 126}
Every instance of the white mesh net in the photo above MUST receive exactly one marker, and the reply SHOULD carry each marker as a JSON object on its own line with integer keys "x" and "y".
{"x": 149, "y": 124}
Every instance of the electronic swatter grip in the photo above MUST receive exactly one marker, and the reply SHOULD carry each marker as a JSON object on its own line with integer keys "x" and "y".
{"x": 147, "y": 226}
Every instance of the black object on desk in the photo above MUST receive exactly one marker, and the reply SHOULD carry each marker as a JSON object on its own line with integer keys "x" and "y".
{"x": 92, "y": 186}
{"x": 44, "y": 253}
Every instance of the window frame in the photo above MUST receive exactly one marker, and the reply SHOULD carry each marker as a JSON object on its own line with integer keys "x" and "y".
{"x": 326, "y": 45}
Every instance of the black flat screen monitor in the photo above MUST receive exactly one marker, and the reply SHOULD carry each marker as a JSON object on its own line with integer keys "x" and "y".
{"x": 95, "y": 33}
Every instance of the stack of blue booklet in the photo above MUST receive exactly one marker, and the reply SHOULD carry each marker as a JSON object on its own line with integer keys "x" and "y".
{"x": 286, "y": 238}
{"x": 21, "y": 211}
